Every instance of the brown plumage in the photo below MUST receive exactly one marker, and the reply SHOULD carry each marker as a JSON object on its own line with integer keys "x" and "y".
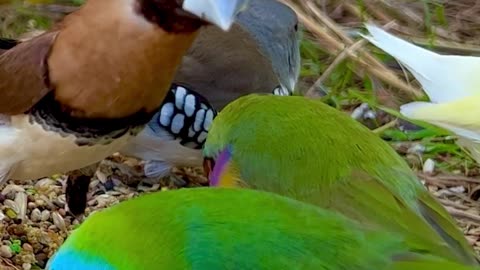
{"x": 71, "y": 61}
{"x": 22, "y": 74}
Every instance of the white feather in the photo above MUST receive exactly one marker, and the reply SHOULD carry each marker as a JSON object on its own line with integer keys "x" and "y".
{"x": 428, "y": 112}
{"x": 443, "y": 77}
{"x": 410, "y": 110}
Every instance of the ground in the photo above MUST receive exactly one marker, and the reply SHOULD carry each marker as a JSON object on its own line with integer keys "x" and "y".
{"x": 349, "y": 74}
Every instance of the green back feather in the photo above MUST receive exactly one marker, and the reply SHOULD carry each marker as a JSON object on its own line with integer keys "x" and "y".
{"x": 306, "y": 150}
{"x": 205, "y": 228}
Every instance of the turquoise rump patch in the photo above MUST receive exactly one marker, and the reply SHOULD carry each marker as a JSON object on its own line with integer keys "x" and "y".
{"x": 66, "y": 259}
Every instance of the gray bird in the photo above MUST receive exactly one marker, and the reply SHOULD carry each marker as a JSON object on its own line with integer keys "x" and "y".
{"x": 260, "y": 53}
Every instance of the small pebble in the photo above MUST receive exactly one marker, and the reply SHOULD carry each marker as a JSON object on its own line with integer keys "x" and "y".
{"x": 5, "y": 251}
{"x": 27, "y": 247}
{"x": 41, "y": 257}
{"x": 31, "y": 205}
{"x": 359, "y": 111}
{"x": 26, "y": 266}
{"x": 36, "y": 215}
{"x": 60, "y": 201}
{"x": 45, "y": 215}
{"x": 428, "y": 166}
{"x": 21, "y": 202}
{"x": 39, "y": 203}
{"x": 58, "y": 221}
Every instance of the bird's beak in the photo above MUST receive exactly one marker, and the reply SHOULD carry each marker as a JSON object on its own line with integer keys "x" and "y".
{"x": 221, "y": 13}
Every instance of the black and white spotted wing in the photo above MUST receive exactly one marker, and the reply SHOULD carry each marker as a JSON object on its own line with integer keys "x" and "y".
{"x": 186, "y": 115}
{"x": 281, "y": 91}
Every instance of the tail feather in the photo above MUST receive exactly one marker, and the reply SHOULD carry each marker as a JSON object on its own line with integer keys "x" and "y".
{"x": 460, "y": 117}
{"x": 443, "y": 77}
{"x": 445, "y": 226}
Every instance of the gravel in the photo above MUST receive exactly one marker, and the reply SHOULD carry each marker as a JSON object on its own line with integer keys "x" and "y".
{"x": 33, "y": 215}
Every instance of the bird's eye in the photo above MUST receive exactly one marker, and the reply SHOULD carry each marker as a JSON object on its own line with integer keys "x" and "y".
{"x": 296, "y": 27}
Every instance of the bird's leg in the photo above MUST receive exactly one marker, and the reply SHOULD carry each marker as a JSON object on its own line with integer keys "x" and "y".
{"x": 77, "y": 188}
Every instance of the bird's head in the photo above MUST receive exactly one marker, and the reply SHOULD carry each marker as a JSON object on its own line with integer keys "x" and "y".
{"x": 275, "y": 28}
{"x": 240, "y": 138}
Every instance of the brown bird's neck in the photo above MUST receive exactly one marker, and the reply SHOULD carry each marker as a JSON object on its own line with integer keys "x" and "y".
{"x": 110, "y": 61}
